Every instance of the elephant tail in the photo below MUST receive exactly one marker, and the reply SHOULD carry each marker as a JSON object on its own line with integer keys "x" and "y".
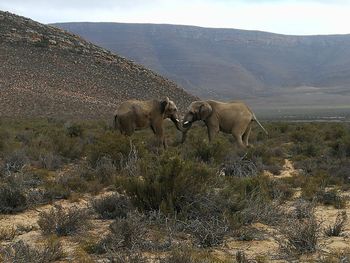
{"x": 258, "y": 122}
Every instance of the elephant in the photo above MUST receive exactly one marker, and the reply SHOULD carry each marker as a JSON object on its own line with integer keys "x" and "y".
{"x": 233, "y": 117}
{"x": 134, "y": 115}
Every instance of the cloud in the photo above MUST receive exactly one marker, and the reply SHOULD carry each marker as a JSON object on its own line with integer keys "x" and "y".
{"x": 279, "y": 16}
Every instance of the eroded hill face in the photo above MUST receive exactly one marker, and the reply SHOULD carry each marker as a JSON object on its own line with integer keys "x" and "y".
{"x": 47, "y": 72}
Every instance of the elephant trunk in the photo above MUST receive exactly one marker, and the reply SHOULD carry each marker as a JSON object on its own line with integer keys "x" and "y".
{"x": 177, "y": 123}
{"x": 184, "y": 132}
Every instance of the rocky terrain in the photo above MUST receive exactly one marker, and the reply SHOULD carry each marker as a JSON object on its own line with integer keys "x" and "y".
{"x": 47, "y": 72}
{"x": 269, "y": 70}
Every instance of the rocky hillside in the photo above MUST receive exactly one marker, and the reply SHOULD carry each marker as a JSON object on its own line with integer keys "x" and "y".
{"x": 270, "y": 69}
{"x": 47, "y": 72}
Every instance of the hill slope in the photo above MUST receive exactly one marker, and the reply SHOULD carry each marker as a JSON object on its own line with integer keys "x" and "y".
{"x": 45, "y": 71}
{"x": 228, "y": 63}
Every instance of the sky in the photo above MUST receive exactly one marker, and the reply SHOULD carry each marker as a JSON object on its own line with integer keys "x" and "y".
{"x": 293, "y": 17}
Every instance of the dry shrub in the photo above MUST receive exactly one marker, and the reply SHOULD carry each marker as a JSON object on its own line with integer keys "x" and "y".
{"x": 241, "y": 257}
{"x": 338, "y": 227}
{"x": 209, "y": 231}
{"x": 126, "y": 256}
{"x": 73, "y": 129}
{"x": 130, "y": 164}
{"x": 301, "y": 236}
{"x": 331, "y": 198}
{"x": 62, "y": 221}
{"x": 125, "y": 233}
{"x": 12, "y": 198}
{"x": 112, "y": 206}
{"x": 105, "y": 170}
{"x": 258, "y": 209}
{"x": 50, "y": 161}
{"x": 186, "y": 254}
{"x": 7, "y": 233}
{"x": 179, "y": 256}
{"x": 239, "y": 167}
{"x": 303, "y": 209}
{"x": 21, "y": 252}
{"x": 15, "y": 161}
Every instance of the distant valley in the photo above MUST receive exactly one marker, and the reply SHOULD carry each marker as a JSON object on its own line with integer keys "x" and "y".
{"x": 270, "y": 71}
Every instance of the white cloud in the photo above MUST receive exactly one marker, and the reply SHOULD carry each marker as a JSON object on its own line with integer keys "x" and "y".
{"x": 279, "y": 16}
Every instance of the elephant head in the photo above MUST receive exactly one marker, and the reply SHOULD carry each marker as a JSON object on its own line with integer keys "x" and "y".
{"x": 198, "y": 110}
{"x": 169, "y": 110}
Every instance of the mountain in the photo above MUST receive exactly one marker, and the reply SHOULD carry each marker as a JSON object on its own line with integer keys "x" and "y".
{"x": 48, "y": 72}
{"x": 268, "y": 70}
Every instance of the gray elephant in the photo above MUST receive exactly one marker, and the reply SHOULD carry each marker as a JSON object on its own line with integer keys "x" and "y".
{"x": 136, "y": 115}
{"x": 230, "y": 117}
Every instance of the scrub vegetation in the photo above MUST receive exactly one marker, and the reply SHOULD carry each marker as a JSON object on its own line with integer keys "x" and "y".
{"x": 126, "y": 200}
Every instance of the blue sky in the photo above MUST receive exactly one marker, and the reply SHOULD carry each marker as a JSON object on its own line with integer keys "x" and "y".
{"x": 297, "y": 17}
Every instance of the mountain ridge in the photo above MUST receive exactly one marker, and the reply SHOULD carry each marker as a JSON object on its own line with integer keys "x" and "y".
{"x": 232, "y": 63}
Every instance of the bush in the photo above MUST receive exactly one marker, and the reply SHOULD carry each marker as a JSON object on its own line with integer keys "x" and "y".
{"x": 301, "y": 236}
{"x": 7, "y": 233}
{"x": 110, "y": 145}
{"x": 126, "y": 256}
{"x": 338, "y": 227}
{"x": 180, "y": 256}
{"x": 303, "y": 209}
{"x": 15, "y": 161}
{"x": 170, "y": 185}
{"x": 201, "y": 150}
{"x": 341, "y": 147}
{"x": 125, "y": 233}
{"x": 105, "y": 170}
{"x": 63, "y": 222}
{"x": 21, "y": 252}
{"x": 208, "y": 231}
{"x": 239, "y": 167}
{"x": 112, "y": 206}
{"x": 184, "y": 254}
{"x": 258, "y": 209}
{"x": 331, "y": 198}
{"x": 50, "y": 161}
{"x": 314, "y": 185}
{"x": 73, "y": 129}
{"x": 12, "y": 198}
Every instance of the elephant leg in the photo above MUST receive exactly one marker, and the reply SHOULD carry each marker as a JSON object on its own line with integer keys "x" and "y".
{"x": 159, "y": 133}
{"x": 165, "y": 145}
{"x": 126, "y": 125}
{"x": 184, "y": 135}
{"x": 246, "y": 135}
{"x": 212, "y": 131}
{"x": 238, "y": 134}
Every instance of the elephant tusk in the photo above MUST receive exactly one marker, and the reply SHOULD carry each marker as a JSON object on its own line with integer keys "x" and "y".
{"x": 186, "y": 122}
{"x": 177, "y": 120}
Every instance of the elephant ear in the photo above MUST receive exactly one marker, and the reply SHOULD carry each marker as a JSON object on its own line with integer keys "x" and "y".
{"x": 205, "y": 111}
{"x": 163, "y": 104}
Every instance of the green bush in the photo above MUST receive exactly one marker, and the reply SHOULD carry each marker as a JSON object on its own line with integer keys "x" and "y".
{"x": 12, "y": 198}
{"x": 111, "y": 145}
{"x": 112, "y": 206}
{"x": 73, "y": 129}
{"x": 169, "y": 184}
